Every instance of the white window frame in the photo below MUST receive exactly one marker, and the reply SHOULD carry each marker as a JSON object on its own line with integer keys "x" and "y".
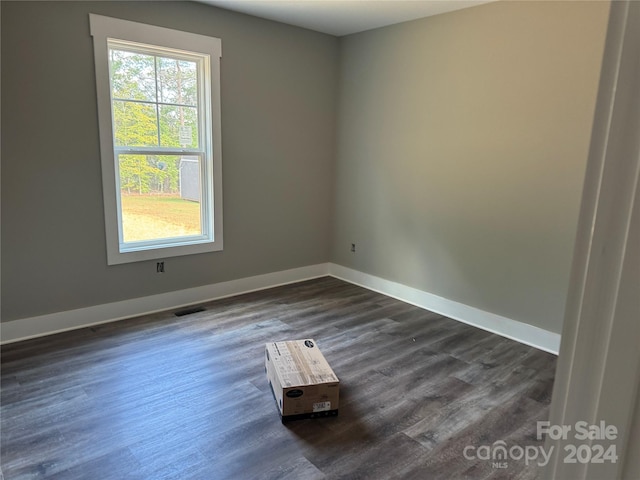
{"x": 105, "y": 29}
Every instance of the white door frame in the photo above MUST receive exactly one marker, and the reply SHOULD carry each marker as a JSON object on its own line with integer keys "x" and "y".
{"x": 598, "y": 371}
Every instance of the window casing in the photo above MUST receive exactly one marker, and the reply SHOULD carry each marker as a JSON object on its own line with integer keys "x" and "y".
{"x": 159, "y": 117}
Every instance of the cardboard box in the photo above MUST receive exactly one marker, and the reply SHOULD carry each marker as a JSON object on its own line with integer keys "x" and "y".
{"x": 303, "y": 384}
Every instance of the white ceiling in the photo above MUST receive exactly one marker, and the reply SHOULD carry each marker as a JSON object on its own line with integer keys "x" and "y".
{"x": 338, "y": 17}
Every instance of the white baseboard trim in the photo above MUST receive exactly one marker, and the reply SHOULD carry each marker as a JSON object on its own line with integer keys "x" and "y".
{"x": 32, "y": 327}
{"x": 512, "y": 329}
{"x": 26, "y": 328}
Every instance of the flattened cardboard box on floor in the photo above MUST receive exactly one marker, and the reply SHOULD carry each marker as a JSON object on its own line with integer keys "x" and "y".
{"x": 302, "y": 381}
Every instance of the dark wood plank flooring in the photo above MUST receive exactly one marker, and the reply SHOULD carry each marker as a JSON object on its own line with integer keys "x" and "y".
{"x": 166, "y": 397}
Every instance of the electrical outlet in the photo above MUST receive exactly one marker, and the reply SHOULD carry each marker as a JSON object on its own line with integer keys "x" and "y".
{"x": 353, "y": 248}
{"x": 160, "y": 267}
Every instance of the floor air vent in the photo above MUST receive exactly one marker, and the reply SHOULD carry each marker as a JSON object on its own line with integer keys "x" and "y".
{"x": 189, "y": 311}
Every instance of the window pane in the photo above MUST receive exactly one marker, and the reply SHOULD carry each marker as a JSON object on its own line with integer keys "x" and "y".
{"x": 159, "y": 196}
{"x": 178, "y": 126}
{"x": 177, "y": 81}
{"x": 133, "y": 76}
{"x": 135, "y": 124}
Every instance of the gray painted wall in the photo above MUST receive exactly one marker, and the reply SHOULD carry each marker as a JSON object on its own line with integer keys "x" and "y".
{"x": 279, "y": 90}
{"x": 462, "y": 146}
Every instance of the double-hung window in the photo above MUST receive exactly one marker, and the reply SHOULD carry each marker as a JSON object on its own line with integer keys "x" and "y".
{"x": 159, "y": 118}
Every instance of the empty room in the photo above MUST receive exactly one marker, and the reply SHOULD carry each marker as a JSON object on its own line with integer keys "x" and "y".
{"x": 320, "y": 239}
